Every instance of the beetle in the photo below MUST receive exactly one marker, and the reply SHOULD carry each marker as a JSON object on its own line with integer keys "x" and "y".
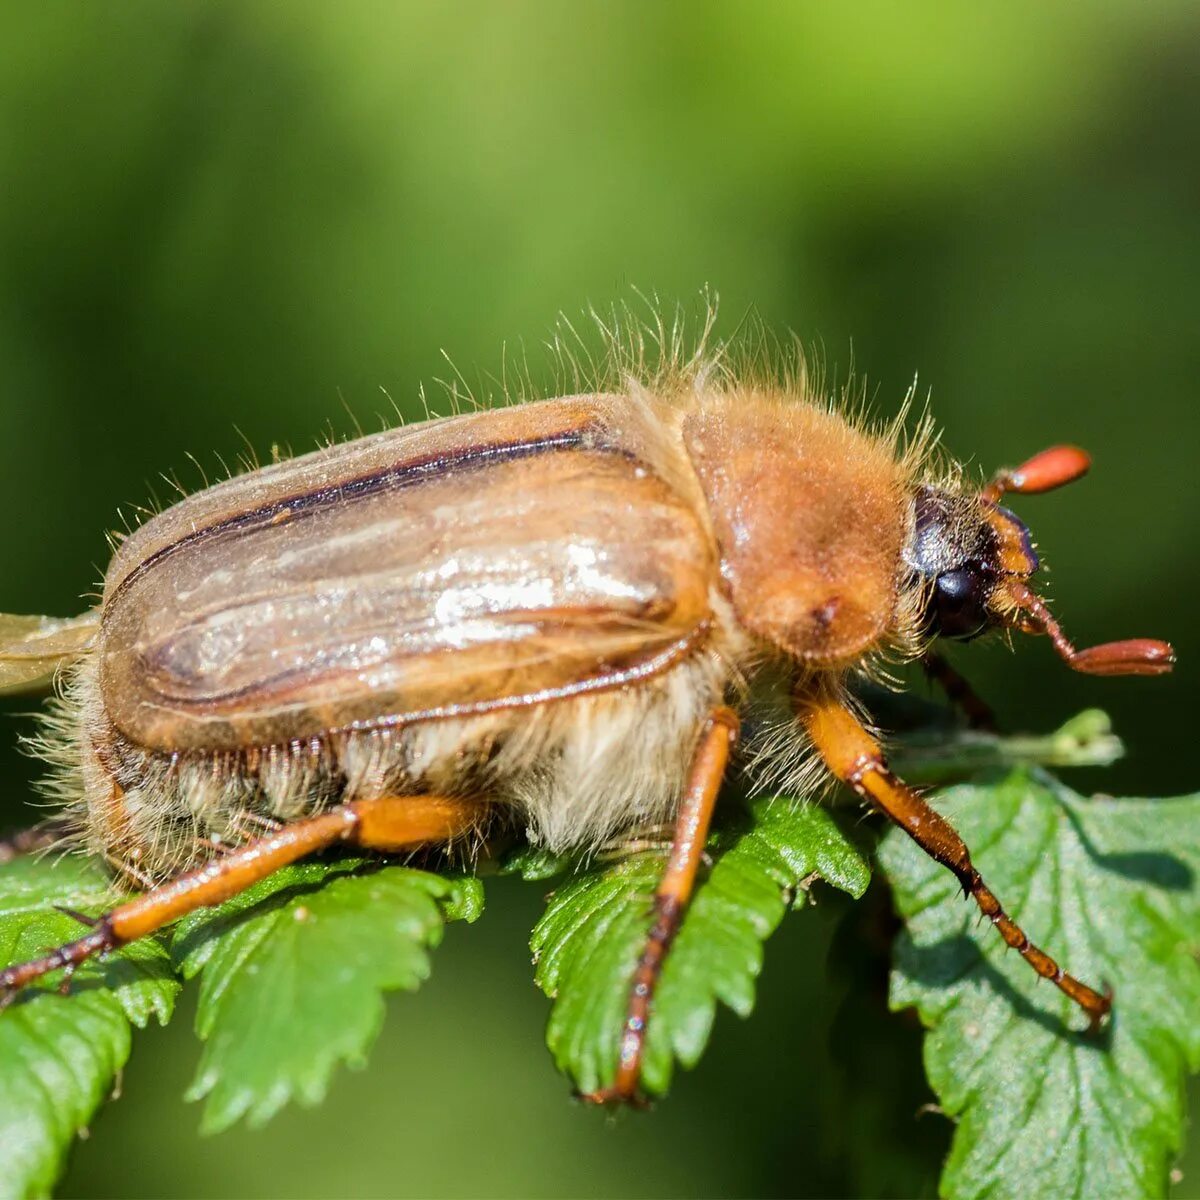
{"x": 545, "y": 615}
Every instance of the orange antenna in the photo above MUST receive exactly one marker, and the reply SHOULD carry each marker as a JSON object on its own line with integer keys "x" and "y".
{"x": 1042, "y": 473}
{"x": 1134, "y": 656}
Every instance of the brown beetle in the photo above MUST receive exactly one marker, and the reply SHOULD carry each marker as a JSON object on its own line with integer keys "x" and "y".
{"x": 544, "y": 615}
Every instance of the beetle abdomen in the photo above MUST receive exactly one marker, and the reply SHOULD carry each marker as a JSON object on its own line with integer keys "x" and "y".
{"x": 573, "y": 773}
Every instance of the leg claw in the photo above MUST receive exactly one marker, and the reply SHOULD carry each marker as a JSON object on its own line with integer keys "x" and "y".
{"x": 614, "y": 1098}
{"x": 1098, "y": 1020}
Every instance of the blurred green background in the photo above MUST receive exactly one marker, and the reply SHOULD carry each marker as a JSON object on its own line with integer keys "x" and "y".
{"x": 217, "y": 214}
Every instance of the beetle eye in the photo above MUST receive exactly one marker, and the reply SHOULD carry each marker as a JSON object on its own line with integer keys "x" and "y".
{"x": 958, "y": 606}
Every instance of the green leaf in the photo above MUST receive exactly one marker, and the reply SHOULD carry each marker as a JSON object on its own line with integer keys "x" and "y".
{"x": 535, "y": 863}
{"x": 1109, "y": 887}
{"x": 60, "y": 1055}
{"x": 934, "y": 755}
{"x": 293, "y": 972}
{"x": 587, "y": 943}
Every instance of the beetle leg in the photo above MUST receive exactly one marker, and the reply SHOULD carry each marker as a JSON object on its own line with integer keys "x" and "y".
{"x": 256, "y": 820}
{"x": 130, "y": 872}
{"x": 705, "y": 773}
{"x": 214, "y": 846}
{"x": 44, "y": 836}
{"x": 958, "y": 691}
{"x": 390, "y": 823}
{"x": 855, "y": 757}
{"x": 120, "y": 843}
{"x": 637, "y": 840}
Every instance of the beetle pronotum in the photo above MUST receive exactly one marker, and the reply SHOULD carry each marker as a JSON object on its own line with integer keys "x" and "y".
{"x": 544, "y": 614}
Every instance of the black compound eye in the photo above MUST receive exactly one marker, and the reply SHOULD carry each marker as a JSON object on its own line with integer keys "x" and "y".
{"x": 958, "y": 606}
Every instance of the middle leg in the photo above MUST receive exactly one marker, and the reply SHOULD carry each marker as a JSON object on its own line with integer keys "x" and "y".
{"x": 674, "y": 891}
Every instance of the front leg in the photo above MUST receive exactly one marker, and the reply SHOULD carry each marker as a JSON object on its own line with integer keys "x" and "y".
{"x": 855, "y": 757}
{"x": 958, "y": 691}
{"x": 675, "y": 889}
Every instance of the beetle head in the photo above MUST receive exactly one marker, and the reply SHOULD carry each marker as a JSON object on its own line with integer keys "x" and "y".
{"x": 975, "y": 560}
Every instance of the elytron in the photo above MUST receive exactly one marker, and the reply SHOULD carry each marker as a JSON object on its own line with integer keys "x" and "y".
{"x": 547, "y": 616}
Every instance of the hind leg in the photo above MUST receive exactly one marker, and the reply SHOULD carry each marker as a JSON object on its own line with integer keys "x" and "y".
{"x": 44, "y": 836}
{"x": 390, "y": 823}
